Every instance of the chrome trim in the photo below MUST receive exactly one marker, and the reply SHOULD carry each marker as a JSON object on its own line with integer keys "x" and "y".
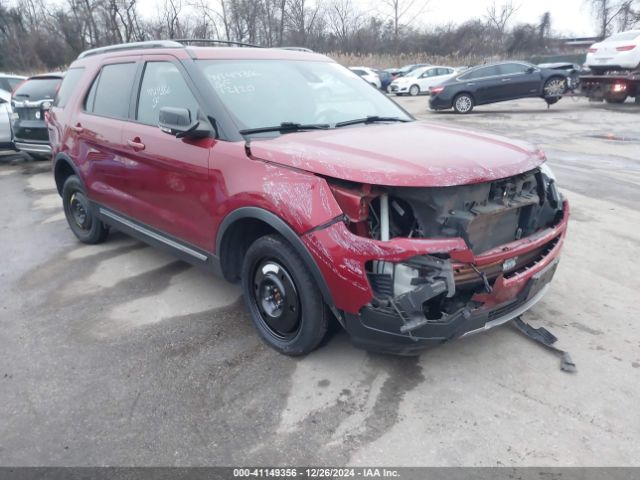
{"x": 511, "y": 315}
{"x": 33, "y": 147}
{"x": 154, "y": 235}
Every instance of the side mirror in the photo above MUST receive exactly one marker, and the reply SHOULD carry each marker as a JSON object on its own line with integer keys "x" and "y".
{"x": 530, "y": 69}
{"x": 177, "y": 121}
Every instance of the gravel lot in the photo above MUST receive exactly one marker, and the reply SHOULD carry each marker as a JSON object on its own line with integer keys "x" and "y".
{"x": 120, "y": 355}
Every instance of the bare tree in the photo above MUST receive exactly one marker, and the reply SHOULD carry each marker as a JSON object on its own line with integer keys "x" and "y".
{"x": 344, "y": 20}
{"x": 624, "y": 13}
{"x": 498, "y": 16}
{"x": 400, "y": 9}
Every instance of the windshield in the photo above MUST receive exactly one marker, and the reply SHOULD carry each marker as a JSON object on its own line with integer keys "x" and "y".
{"x": 264, "y": 93}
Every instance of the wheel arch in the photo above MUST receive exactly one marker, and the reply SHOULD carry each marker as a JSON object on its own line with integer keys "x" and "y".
{"x": 63, "y": 168}
{"x": 246, "y": 224}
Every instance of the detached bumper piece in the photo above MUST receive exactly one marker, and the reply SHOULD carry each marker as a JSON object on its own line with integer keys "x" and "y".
{"x": 547, "y": 339}
{"x": 405, "y": 324}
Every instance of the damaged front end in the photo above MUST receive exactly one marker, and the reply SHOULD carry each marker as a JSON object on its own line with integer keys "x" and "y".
{"x": 433, "y": 264}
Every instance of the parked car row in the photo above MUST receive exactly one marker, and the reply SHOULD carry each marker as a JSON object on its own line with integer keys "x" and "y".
{"x": 412, "y": 79}
{"x": 22, "y": 112}
{"x": 8, "y": 83}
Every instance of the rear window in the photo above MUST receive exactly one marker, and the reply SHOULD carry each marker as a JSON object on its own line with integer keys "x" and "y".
{"x": 38, "y": 89}
{"x": 110, "y": 93}
{"x": 68, "y": 86}
{"x": 621, "y": 37}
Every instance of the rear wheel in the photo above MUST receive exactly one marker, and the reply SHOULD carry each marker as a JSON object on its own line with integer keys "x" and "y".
{"x": 80, "y": 215}
{"x": 414, "y": 90}
{"x": 463, "y": 103}
{"x": 283, "y": 299}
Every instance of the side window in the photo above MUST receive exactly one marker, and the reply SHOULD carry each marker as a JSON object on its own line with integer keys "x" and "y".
{"x": 111, "y": 90}
{"x": 68, "y": 86}
{"x": 163, "y": 86}
{"x": 432, "y": 72}
{"x": 4, "y": 85}
{"x": 483, "y": 72}
{"x": 512, "y": 68}
{"x": 444, "y": 71}
{"x": 91, "y": 96}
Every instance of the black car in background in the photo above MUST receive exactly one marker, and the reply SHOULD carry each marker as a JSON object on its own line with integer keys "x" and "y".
{"x": 30, "y": 101}
{"x": 498, "y": 82}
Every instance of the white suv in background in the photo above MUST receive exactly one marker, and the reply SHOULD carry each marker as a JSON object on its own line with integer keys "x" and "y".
{"x": 368, "y": 75}
{"x": 621, "y": 50}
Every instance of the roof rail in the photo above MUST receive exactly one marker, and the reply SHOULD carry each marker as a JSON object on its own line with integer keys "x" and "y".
{"x": 191, "y": 41}
{"x": 131, "y": 46}
{"x": 297, "y": 49}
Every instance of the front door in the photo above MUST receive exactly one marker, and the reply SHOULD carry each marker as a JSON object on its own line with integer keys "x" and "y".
{"x": 169, "y": 176}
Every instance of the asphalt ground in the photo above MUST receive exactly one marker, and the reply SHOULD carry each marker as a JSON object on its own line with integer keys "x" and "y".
{"x": 118, "y": 354}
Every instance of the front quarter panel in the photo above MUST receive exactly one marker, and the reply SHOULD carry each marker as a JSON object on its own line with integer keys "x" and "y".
{"x": 300, "y": 199}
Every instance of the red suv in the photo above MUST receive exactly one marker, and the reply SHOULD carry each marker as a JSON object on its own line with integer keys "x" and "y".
{"x": 287, "y": 172}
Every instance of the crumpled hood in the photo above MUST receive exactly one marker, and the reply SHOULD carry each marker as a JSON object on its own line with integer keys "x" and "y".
{"x": 415, "y": 154}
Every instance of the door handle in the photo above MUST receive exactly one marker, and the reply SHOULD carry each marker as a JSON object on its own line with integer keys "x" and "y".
{"x": 506, "y": 79}
{"x": 77, "y": 128}
{"x": 136, "y": 144}
{"x": 471, "y": 84}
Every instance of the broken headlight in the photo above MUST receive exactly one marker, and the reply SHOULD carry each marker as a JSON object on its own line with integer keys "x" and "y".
{"x": 389, "y": 279}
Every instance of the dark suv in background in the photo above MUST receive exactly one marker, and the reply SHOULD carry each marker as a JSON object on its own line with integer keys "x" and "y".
{"x": 30, "y": 101}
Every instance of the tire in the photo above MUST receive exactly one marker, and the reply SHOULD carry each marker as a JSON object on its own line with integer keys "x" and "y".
{"x": 414, "y": 90}
{"x": 463, "y": 103}
{"x": 81, "y": 217}
{"x": 293, "y": 320}
{"x": 615, "y": 99}
{"x": 554, "y": 87}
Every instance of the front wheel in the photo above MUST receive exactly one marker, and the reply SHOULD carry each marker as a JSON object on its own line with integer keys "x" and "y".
{"x": 80, "y": 214}
{"x": 283, "y": 299}
{"x": 414, "y": 90}
{"x": 463, "y": 103}
{"x": 554, "y": 87}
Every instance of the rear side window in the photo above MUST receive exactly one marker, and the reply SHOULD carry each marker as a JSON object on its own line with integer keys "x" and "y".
{"x": 481, "y": 73}
{"x": 111, "y": 91}
{"x": 163, "y": 86}
{"x": 38, "y": 89}
{"x": 68, "y": 86}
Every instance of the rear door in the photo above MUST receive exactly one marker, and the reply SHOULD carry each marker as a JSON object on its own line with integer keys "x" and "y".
{"x": 484, "y": 84}
{"x": 98, "y": 133}
{"x": 169, "y": 176}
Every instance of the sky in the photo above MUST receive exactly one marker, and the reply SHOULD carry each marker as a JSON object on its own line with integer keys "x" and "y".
{"x": 569, "y": 17}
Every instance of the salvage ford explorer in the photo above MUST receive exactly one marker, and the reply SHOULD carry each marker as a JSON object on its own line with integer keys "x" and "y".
{"x": 284, "y": 171}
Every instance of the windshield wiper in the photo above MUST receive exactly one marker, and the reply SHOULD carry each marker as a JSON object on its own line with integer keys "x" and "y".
{"x": 370, "y": 119}
{"x": 286, "y": 127}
